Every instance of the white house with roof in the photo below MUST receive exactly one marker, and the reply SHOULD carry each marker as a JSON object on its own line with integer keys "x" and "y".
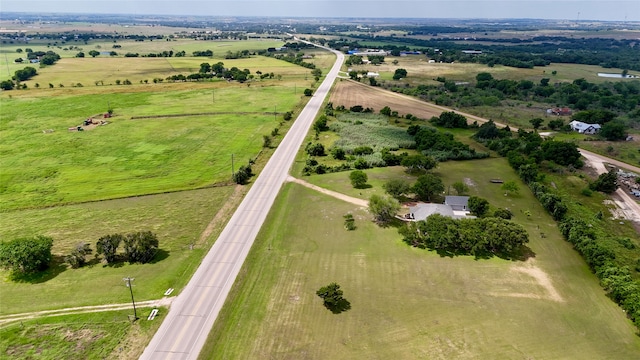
{"x": 454, "y": 206}
{"x": 584, "y": 128}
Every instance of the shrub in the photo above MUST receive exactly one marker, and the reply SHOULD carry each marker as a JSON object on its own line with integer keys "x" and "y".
{"x": 77, "y": 258}
{"x": 315, "y": 149}
{"x": 358, "y": 179}
{"x": 349, "y": 222}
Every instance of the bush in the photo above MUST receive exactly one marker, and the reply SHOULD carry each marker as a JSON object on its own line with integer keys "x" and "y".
{"x": 315, "y": 149}
{"x": 243, "y": 174}
{"x": 77, "y": 258}
{"x": 349, "y": 222}
{"x": 397, "y": 187}
{"x": 503, "y": 214}
{"x": 358, "y": 179}
{"x": 308, "y": 92}
{"x": 338, "y": 153}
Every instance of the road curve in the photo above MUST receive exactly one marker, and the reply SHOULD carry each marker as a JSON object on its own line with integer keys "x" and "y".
{"x": 192, "y": 314}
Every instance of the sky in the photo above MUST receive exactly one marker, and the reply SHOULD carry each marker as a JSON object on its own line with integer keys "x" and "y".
{"x": 614, "y": 10}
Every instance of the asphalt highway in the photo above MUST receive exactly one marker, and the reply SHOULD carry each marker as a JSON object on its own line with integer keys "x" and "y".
{"x": 192, "y": 314}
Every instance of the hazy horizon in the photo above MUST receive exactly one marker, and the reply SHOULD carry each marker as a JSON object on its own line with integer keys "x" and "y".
{"x": 617, "y": 10}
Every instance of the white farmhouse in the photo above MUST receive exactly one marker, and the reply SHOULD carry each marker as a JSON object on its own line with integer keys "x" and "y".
{"x": 584, "y": 128}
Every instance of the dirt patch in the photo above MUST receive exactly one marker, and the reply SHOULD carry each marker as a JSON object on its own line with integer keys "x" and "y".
{"x": 350, "y": 93}
{"x": 529, "y": 268}
{"x": 469, "y": 182}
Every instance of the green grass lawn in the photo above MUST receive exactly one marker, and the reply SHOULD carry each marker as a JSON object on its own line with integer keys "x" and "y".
{"x": 411, "y": 303}
{"x": 84, "y": 336}
{"x": 130, "y": 157}
{"x": 178, "y": 219}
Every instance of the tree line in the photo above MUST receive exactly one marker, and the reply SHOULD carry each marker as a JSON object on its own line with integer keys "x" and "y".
{"x": 27, "y": 256}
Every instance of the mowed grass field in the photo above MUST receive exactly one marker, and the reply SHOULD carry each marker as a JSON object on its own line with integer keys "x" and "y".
{"x": 408, "y": 303}
{"x": 178, "y": 219}
{"x": 131, "y": 157}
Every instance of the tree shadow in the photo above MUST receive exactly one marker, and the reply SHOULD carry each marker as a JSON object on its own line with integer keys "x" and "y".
{"x": 364, "y": 186}
{"x": 523, "y": 253}
{"x": 56, "y": 267}
{"x": 161, "y": 254}
{"x": 342, "y": 306}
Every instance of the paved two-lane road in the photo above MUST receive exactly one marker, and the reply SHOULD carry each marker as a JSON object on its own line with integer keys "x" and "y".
{"x": 185, "y": 330}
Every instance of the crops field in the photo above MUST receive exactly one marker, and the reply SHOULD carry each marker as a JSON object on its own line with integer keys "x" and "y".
{"x": 349, "y": 93}
{"x": 411, "y": 303}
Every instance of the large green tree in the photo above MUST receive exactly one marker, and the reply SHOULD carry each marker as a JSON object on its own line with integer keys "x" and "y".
{"x": 140, "y": 247}
{"x": 613, "y": 131}
{"x": 399, "y": 74}
{"x": 107, "y": 246}
{"x": 397, "y": 187}
{"x": 418, "y": 163}
{"x": 426, "y": 186}
{"x": 478, "y": 205}
{"x": 26, "y": 255}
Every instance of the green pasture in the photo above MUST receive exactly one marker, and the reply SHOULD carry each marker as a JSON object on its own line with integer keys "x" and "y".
{"x": 420, "y": 71}
{"x": 131, "y": 157}
{"x": 177, "y": 219}
{"x": 83, "y": 336}
{"x": 410, "y": 303}
{"x": 91, "y": 72}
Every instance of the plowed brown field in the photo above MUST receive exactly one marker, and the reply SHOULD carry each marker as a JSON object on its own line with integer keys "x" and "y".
{"x": 350, "y": 93}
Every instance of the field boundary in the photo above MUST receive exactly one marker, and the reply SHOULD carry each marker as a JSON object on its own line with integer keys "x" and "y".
{"x": 202, "y": 114}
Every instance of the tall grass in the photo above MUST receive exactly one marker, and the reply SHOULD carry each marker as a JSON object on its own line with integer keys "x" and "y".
{"x": 369, "y": 130}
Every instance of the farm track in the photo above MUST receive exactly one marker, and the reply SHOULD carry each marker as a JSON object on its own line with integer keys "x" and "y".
{"x": 337, "y": 195}
{"x": 164, "y": 302}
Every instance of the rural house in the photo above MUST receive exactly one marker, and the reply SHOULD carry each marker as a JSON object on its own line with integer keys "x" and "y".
{"x": 454, "y": 207}
{"x": 584, "y": 128}
{"x": 457, "y": 203}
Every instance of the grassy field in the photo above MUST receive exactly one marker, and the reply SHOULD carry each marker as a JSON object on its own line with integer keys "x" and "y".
{"x": 131, "y": 157}
{"x": 410, "y": 303}
{"x": 419, "y": 71}
{"x": 178, "y": 219}
{"x": 85, "y": 336}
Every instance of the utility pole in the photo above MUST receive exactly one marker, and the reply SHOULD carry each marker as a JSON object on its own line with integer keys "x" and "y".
{"x": 275, "y": 112}
{"x": 233, "y": 172}
{"x": 128, "y": 281}
{"x": 213, "y": 93}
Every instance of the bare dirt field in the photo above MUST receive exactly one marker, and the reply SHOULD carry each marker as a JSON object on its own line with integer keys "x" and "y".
{"x": 350, "y": 93}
